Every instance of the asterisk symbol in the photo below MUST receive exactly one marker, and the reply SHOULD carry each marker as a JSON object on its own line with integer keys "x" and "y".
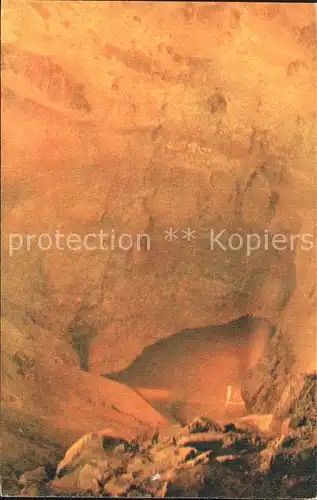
{"x": 189, "y": 234}
{"x": 170, "y": 235}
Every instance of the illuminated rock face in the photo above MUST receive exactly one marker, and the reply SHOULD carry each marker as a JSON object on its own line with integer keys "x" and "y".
{"x": 137, "y": 118}
{"x": 199, "y": 371}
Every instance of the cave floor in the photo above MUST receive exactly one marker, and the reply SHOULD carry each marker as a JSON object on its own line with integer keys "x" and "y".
{"x": 201, "y": 459}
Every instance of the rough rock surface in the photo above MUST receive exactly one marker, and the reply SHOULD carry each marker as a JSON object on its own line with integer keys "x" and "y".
{"x": 47, "y": 402}
{"x": 138, "y": 118}
{"x": 260, "y": 146}
{"x": 227, "y": 463}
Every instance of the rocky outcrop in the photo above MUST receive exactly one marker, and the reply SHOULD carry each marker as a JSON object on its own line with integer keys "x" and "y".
{"x": 207, "y": 154}
{"x": 191, "y": 462}
{"x": 47, "y": 402}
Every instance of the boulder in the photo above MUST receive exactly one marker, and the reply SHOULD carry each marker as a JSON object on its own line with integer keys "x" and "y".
{"x": 202, "y": 424}
{"x": 267, "y": 455}
{"x": 200, "y": 438}
{"x": 171, "y": 457}
{"x": 88, "y": 479}
{"x": 67, "y": 484}
{"x": 33, "y": 476}
{"x": 256, "y": 423}
{"x": 119, "y": 486}
{"x": 88, "y": 447}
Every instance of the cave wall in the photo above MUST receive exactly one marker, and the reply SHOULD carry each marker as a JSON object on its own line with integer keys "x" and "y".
{"x": 194, "y": 369}
{"x": 140, "y": 117}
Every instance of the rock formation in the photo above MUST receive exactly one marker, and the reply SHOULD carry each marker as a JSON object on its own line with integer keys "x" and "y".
{"x": 200, "y": 460}
{"x": 168, "y": 124}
